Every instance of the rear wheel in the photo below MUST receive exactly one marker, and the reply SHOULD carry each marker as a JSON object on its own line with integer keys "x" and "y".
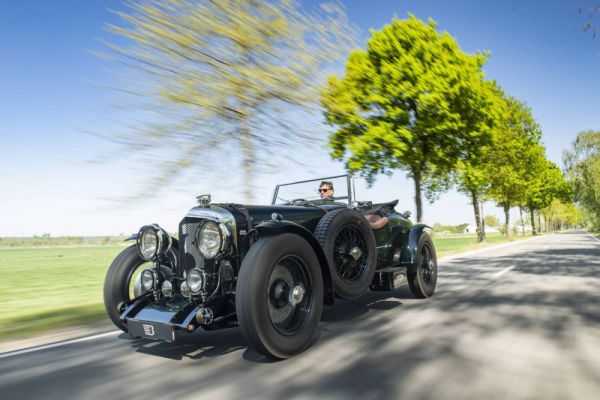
{"x": 349, "y": 245}
{"x": 279, "y": 295}
{"x": 423, "y": 278}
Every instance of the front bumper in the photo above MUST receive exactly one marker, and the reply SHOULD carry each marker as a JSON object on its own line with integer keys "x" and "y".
{"x": 159, "y": 319}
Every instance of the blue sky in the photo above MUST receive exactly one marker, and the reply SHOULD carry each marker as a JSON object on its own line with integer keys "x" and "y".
{"x": 48, "y": 102}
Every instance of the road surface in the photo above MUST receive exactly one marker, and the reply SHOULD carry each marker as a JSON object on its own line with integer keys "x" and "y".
{"x": 516, "y": 322}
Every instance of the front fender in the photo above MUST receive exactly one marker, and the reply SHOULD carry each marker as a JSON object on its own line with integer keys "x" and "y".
{"x": 410, "y": 251}
{"x": 271, "y": 228}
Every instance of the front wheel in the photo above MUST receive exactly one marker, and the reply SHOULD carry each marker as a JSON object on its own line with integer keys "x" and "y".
{"x": 423, "y": 278}
{"x": 122, "y": 283}
{"x": 279, "y": 295}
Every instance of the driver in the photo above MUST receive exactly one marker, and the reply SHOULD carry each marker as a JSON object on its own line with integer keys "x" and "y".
{"x": 326, "y": 190}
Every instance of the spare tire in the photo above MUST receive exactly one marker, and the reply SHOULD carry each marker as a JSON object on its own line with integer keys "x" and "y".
{"x": 349, "y": 246}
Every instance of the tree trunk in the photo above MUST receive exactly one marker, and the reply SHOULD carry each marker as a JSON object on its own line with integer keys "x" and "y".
{"x": 532, "y": 211}
{"x": 539, "y": 221}
{"x": 522, "y": 222}
{"x": 247, "y": 148}
{"x": 507, "y": 220}
{"x": 475, "y": 202}
{"x": 482, "y": 222}
{"x": 417, "y": 177}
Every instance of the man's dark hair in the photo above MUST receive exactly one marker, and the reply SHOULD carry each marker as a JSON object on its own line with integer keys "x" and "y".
{"x": 328, "y": 183}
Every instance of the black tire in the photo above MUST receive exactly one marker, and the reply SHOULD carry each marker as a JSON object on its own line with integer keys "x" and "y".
{"x": 118, "y": 281}
{"x": 351, "y": 277}
{"x": 270, "y": 325}
{"x": 423, "y": 277}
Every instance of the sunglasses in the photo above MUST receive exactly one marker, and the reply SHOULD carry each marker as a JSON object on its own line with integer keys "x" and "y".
{"x": 323, "y": 190}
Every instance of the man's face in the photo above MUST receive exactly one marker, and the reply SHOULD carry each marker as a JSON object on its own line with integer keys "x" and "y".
{"x": 325, "y": 191}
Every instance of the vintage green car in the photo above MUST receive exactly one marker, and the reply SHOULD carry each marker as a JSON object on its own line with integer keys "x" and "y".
{"x": 267, "y": 268}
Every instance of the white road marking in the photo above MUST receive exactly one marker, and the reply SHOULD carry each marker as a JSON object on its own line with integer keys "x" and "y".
{"x": 546, "y": 247}
{"x": 59, "y": 344}
{"x": 505, "y": 270}
{"x": 592, "y": 236}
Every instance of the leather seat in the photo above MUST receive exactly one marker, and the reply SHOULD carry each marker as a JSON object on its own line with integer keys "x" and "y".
{"x": 376, "y": 221}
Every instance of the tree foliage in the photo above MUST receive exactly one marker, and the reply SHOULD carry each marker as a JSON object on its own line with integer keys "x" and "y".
{"x": 513, "y": 155}
{"x": 413, "y": 100}
{"x": 582, "y": 164}
{"x": 224, "y": 73}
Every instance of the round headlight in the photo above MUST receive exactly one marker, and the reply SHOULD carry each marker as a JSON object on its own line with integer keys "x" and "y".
{"x": 167, "y": 288}
{"x": 148, "y": 279}
{"x": 210, "y": 239}
{"x": 185, "y": 290}
{"x": 195, "y": 280}
{"x": 152, "y": 241}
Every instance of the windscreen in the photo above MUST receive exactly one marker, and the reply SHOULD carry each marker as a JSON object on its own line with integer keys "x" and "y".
{"x": 309, "y": 190}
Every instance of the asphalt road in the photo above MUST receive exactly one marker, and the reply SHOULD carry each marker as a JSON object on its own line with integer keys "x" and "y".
{"x": 518, "y": 322}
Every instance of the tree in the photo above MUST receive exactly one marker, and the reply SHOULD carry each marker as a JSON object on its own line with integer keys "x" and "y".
{"x": 514, "y": 149}
{"x": 223, "y": 73}
{"x": 545, "y": 185}
{"x": 582, "y": 164}
{"x": 491, "y": 220}
{"x": 474, "y": 170}
{"x": 413, "y": 100}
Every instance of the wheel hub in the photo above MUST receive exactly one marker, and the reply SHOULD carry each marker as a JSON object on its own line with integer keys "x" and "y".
{"x": 356, "y": 253}
{"x": 296, "y": 295}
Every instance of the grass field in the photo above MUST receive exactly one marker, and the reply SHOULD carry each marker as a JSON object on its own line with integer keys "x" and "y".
{"x": 52, "y": 287}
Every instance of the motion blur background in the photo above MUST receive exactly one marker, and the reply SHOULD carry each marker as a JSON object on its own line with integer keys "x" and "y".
{"x": 59, "y": 177}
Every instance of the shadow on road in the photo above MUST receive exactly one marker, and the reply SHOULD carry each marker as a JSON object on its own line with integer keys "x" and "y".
{"x": 209, "y": 344}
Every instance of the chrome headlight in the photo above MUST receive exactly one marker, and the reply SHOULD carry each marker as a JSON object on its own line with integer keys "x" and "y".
{"x": 195, "y": 280}
{"x": 153, "y": 241}
{"x": 212, "y": 238}
{"x": 167, "y": 289}
{"x": 148, "y": 279}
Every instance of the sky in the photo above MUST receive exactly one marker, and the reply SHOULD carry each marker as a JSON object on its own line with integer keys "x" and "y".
{"x": 57, "y": 176}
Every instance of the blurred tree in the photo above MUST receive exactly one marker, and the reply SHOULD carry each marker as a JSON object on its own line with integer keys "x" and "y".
{"x": 591, "y": 12}
{"x": 413, "y": 100}
{"x": 224, "y": 73}
{"x": 582, "y": 164}
{"x": 491, "y": 220}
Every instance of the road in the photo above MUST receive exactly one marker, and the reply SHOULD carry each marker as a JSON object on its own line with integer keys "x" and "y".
{"x": 517, "y": 322}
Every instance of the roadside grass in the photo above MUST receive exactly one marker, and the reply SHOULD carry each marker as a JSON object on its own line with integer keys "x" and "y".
{"x": 51, "y": 287}
{"x": 457, "y": 243}
{"x": 45, "y": 288}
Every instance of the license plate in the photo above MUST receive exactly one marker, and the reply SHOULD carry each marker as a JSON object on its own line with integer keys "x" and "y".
{"x": 151, "y": 330}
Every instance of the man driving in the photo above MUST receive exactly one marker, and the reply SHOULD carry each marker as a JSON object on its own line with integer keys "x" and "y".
{"x": 326, "y": 190}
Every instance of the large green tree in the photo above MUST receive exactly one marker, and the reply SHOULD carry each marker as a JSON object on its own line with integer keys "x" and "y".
{"x": 516, "y": 147}
{"x": 475, "y": 168}
{"x": 219, "y": 77}
{"x": 413, "y": 100}
{"x": 582, "y": 163}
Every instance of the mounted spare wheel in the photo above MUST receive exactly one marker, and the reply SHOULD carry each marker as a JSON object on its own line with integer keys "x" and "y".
{"x": 349, "y": 245}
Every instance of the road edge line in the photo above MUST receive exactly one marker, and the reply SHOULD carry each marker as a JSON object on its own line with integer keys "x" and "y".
{"x": 494, "y": 247}
{"x": 57, "y": 344}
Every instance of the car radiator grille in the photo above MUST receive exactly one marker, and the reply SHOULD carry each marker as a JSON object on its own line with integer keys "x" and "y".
{"x": 190, "y": 254}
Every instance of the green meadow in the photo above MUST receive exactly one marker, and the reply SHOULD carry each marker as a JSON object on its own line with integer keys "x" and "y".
{"x": 50, "y": 287}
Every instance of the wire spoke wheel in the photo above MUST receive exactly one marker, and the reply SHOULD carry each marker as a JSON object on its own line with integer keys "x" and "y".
{"x": 422, "y": 276}
{"x": 348, "y": 243}
{"x": 351, "y": 254}
{"x": 426, "y": 264}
